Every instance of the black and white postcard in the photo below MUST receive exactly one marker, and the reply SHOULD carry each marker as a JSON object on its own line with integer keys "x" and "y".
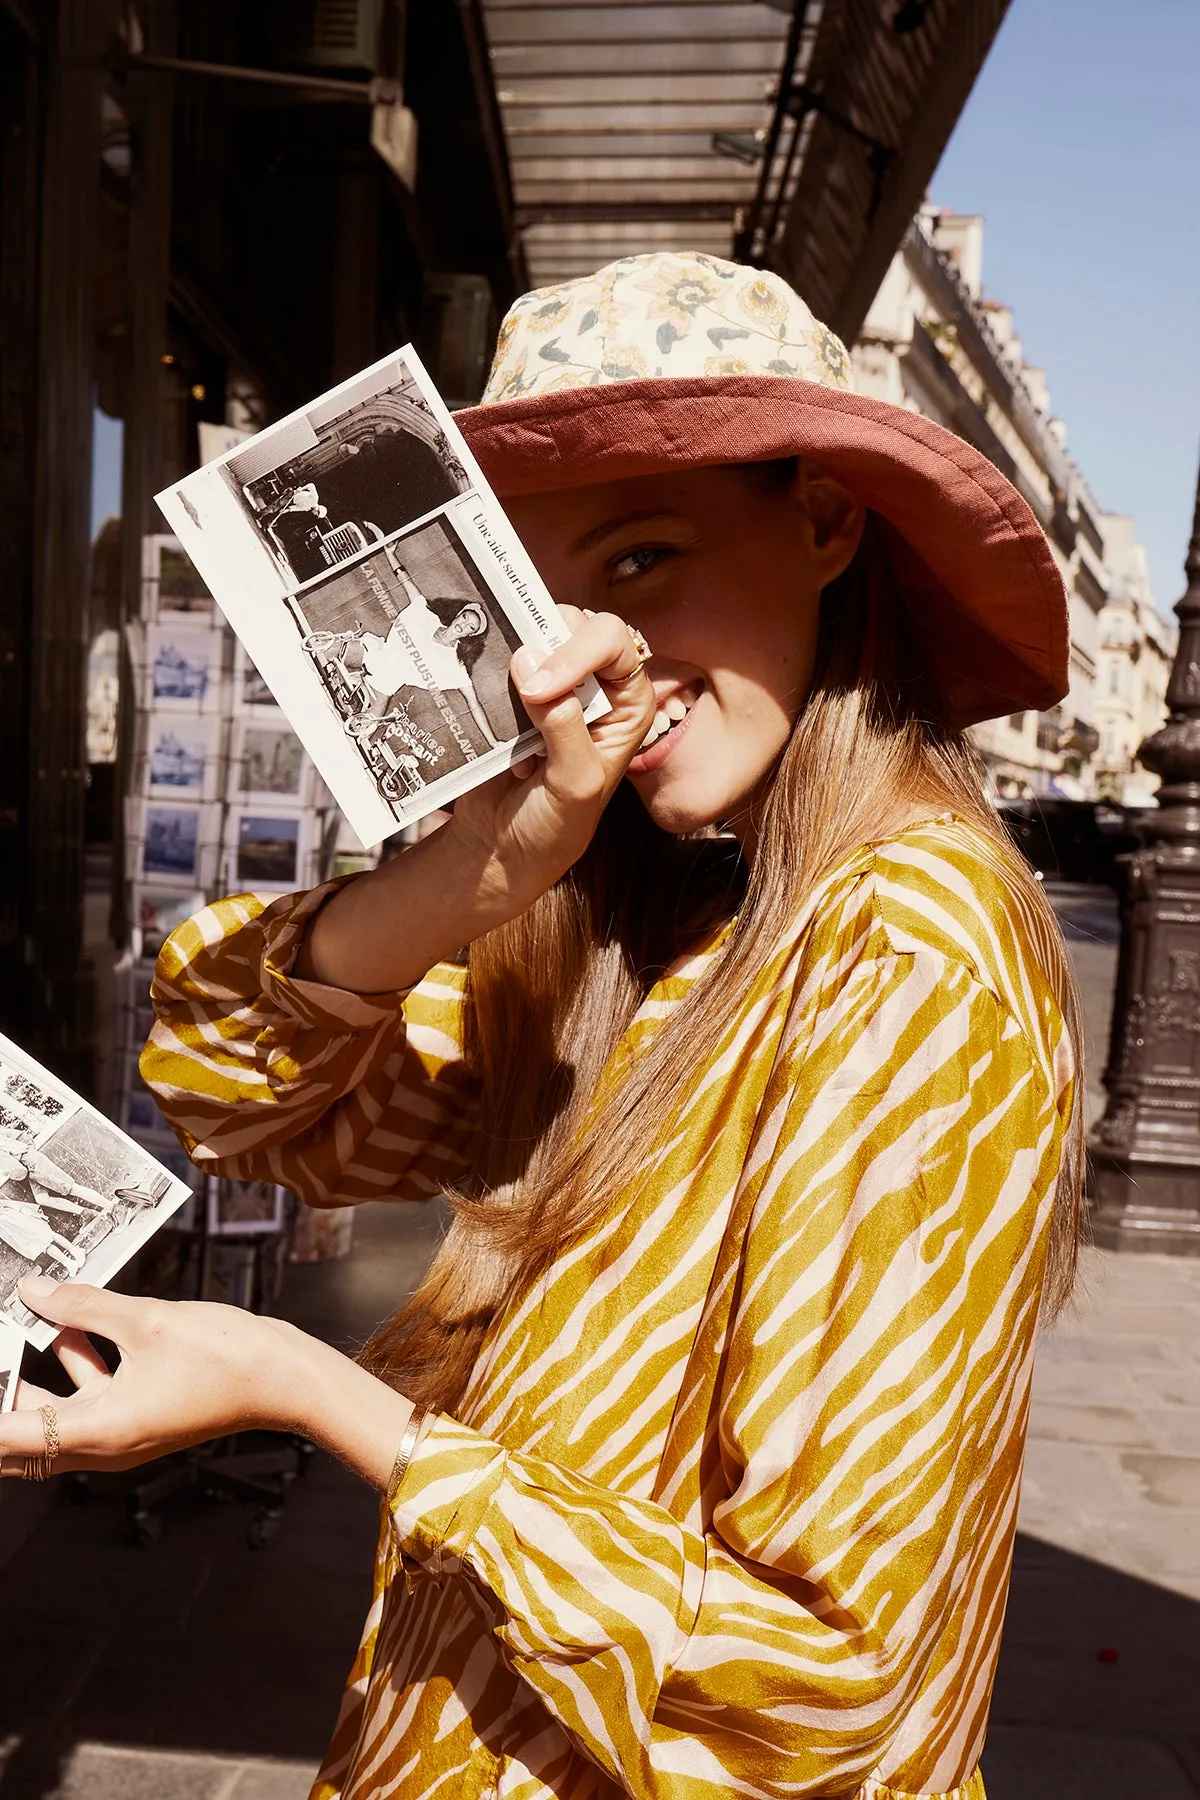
{"x": 77, "y": 1197}
{"x": 12, "y": 1348}
{"x": 374, "y": 581}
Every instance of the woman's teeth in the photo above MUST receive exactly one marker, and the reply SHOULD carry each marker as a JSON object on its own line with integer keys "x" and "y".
{"x": 668, "y": 714}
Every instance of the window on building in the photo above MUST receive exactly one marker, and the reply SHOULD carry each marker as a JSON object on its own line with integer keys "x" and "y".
{"x": 1114, "y": 677}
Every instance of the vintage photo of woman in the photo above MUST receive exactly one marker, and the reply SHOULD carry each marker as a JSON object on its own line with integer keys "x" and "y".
{"x": 415, "y": 656}
{"x": 419, "y": 643}
{"x": 755, "y": 1098}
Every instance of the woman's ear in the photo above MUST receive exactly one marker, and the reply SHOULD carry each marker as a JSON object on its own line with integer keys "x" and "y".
{"x": 835, "y": 519}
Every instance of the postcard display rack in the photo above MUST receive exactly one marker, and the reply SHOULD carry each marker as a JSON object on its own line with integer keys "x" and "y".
{"x": 223, "y": 800}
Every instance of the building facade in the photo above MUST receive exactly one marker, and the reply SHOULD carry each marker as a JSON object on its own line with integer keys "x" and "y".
{"x": 1137, "y": 647}
{"x": 933, "y": 343}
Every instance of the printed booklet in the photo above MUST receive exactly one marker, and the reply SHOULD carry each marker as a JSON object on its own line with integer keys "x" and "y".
{"x": 77, "y": 1197}
{"x": 378, "y": 589}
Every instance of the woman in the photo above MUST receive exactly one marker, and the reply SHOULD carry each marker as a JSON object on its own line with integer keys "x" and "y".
{"x": 418, "y": 653}
{"x": 757, "y": 1162}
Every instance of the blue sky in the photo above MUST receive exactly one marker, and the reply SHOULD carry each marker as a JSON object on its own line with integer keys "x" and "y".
{"x": 1080, "y": 144}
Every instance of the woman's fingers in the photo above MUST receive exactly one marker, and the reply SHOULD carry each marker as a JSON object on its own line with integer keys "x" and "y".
{"x": 75, "y": 1305}
{"x": 22, "y": 1432}
{"x": 80, "y": 1358}
{"x": 601, "y": 644}
{"x": 573, "y": 770}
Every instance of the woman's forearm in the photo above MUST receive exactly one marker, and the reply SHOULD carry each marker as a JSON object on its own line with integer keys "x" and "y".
{"x": 387, "y": 929}
{"x": 350, "y": 1413}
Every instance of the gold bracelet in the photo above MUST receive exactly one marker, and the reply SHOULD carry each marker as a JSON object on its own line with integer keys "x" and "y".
{"x": 38, "y": 1468}
{"x": 404, "y": 1454}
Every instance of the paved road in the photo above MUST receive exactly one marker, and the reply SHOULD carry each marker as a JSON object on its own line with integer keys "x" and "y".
{"x": 201, "y": 1670}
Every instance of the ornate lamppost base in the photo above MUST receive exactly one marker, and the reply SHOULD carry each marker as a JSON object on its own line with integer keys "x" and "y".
{"x": 1145, "y": 1187}
{"x": 1135, "y": 1203}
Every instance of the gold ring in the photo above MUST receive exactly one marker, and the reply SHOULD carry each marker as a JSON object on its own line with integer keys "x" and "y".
{"x": 644, "y": 653}
{"x": 639, "y": 643}
{"x": 38, "y": 1468}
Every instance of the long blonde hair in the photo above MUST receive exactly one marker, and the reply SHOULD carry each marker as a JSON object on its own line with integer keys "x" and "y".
{"x": 550, "y": 994}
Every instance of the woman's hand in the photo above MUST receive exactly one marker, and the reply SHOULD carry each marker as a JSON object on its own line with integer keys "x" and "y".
{"x": 188, "y": 1372}
{"x": 508, "y": 840}
{"x": 533, "y": 822}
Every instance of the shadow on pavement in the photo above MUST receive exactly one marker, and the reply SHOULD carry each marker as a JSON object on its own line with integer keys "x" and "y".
{"x": 199, "y": 1642}
{"x": 203, "y": 1645}
{"x": 1096, "y": 1695}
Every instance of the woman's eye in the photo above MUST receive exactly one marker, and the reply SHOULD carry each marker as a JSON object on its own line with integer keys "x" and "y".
{"x": 637, "y": 562}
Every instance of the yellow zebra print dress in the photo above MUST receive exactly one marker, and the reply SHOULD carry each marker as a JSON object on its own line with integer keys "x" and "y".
{"x": 730, "y": 1505}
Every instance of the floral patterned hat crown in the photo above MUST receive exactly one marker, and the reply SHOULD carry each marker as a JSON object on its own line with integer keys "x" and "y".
{"x": 668, "y": 313}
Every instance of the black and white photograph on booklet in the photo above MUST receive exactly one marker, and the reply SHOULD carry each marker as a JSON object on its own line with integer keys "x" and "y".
{"x": 378, "y": 592}
{"x": 77, "y": 1196}
{"x": 346, "y": 472}
{"x": 413, "y": 649}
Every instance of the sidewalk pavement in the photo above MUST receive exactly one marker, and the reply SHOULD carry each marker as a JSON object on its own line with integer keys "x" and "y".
{"x": 1098, "y": 1692}
{"x": 199, "y": 1669}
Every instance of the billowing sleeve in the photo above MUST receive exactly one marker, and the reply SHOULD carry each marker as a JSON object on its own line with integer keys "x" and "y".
{"x": 871, "y": 1419}
{"x": 341, "y": 1097}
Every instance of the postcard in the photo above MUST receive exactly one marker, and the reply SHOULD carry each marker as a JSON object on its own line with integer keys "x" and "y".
{"x": 183, "y": 665}
{"x": 268, "y": 849}
{"x": 77, "y": 1196}
{"x": 245, "y": 1208}
{"x": 181, "y": 756}
{"x": 176, "y": 844}
{"x": 268, "y": 760}
{"x": 378, "y": 592}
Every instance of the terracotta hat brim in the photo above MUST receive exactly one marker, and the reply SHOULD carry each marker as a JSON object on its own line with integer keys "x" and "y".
{"x": 978, "y": 575}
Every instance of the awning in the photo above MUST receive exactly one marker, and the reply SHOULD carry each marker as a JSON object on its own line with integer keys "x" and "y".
{"x": 797, "y": 137}
{"x": 630, "y": 126}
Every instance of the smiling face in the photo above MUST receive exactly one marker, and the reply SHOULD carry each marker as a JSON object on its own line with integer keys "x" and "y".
{"x": 724, "y": 578}
{"x": 470, "y": 622}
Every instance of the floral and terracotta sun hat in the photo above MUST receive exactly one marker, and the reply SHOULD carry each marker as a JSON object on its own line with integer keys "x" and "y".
{"x": 673, "y": 361}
